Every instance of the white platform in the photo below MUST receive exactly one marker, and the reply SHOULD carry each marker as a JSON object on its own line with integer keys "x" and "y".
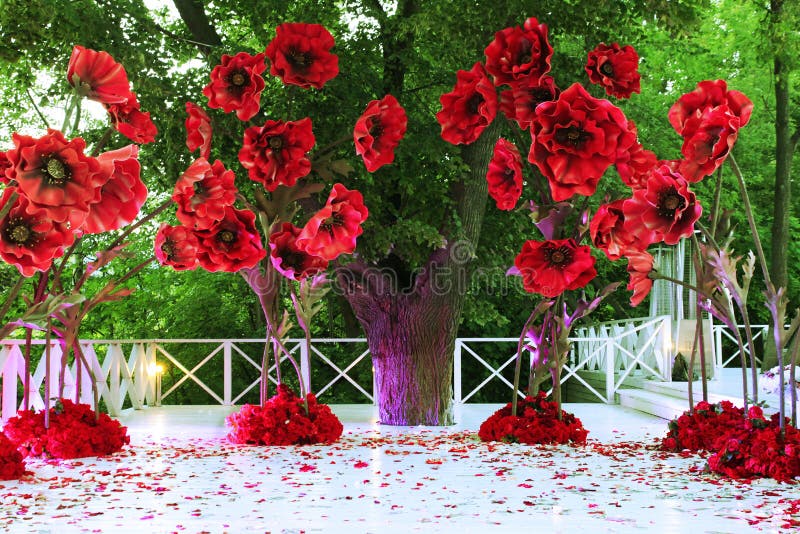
{"x": 180, "y": 475}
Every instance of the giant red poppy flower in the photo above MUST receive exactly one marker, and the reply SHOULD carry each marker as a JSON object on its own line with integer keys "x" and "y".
{"x": 709, "y": 94}
{"x": 333, "y": 229}
{"x": 520, "y": 102}
{"x": 176, "y": 246}
{"x": 233, "y": 243}
{"x": 707, "y": 141}
{"x": 198, "y": 130}
{"x": 608, "y": 233}
{"x": 97, "y": 76}
{"x": 640, "y": 264}
{"x": 203, "y": 193}
{"x": 122, "y": 196}
{"x": 277, "y": 153}
{"x": 129, "y": 120}
{"x": 469, "y": 108}
{"x": 519, "y": 54}
{"x": 378, "y": 131}
{"x": 551, "y": 267}
{"x": 575, "y": 139}
{"x": 300, "y": 55}
{"x": 615, "y": 68}
{"x": 504, "y": 175}
{"x": 666, "y": 207}
{"x": 5, "y": 165}
{"x": 236, "y": 85}
{"x": 55, "y": 174}
{"x": 29, "y": 238}
{"x": 289, "y": 259}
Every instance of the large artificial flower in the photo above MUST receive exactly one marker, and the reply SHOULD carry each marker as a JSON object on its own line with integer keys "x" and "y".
{"x": 520, "y": 102}
{"x": 277, "y": 153}
{"x": 640, "y": 264}
{"x": 97, "y": 76}
{"x": 29, "y": 238}
{"x": 5, "y": 165}
{"x": 289, "y": 259}
{"x": 177, "y": 247}
{"x": 123, "y": 194}
{"x": 709, "y": 94}
{"x": 198, "y": 130}
{"x": 333, "y": 229}
{"x": 551, "y": 267}
{"x": 615, "y": 68}
{"x": 236, "y": 85}
{"x": 378, "y": 131}
{"x": 129, "y": 120}
{"x": 608, "y": 233}
{"x": 55, "y": 174}
{"x": 519, "y": 54}
{"x": 469, "y": 108}
{"x": 203, "y": 192}
{"x": 504, "y": 175}
{"x": 233, "y": 243}
{"x": 708, "y": 139}
{"x": 575, "y": 139}
{"x": 300, "y": 55}
{"x": 666, "y": 207}
{"x": 635, "y": 164}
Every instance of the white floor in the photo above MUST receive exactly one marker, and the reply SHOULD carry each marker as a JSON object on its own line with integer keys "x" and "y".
{"x": 181, "y": 475}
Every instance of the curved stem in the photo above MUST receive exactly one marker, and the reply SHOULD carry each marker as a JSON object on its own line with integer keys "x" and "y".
{"x": 167, "y": 203}
{"x": 47, "y": 375}
{"x": 102, "y": 141}
{"x": 36, "y": 108}
{"x": 715, "y": 205}
{"x": 518, "y": 364}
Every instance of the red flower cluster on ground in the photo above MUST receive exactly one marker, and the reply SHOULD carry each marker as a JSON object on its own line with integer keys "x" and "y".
{"x": 283, "y": 421}
{"x": 615, "y": 68}
{"x": 74, "y": 432}
{"x": 536, "y": 422}
{"x": 12, "y": 465}
{"x": 741, "y": 445}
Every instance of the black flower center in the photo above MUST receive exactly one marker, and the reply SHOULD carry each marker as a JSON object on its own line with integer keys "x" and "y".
{"x": 607, "y": 69}
{"x": 474, "y": 103}
{"x": 558, "y": 257}
{"x": 376, "y": 129}
{"x": 168, "y": 248}
{"x": 540, "y": 95}
{"x": 54, "y": 171}
{"x": 227, "y": 236}
{"x": 238, "y": 79}
{"x": 669, "y": 201}
{"x": 293, "y": 260}
{"x": 337, "y": 219}
{"x": 525, "y": 54}
{"x": 199, "y": 188}
{"x": 300, "y": 60}
{"x": 275, "y": 142}
{"x": 19, "y": 232}
{"x": 571, "y": 136}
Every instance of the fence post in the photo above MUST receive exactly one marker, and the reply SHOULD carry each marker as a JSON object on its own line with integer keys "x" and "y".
{"x": 457, "y": 373}
{"x": 227, "y": 373}
{"x": 305, "y": 366}
{"x": 610, "y": 378}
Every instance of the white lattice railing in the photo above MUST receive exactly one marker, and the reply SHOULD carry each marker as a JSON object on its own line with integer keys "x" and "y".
{"x": 126, "y": 370}
{"x": 725, "y": 338}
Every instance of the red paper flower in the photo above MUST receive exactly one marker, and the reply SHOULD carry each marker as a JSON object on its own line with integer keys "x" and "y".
{"x": 378, "y": 132}
{"x": 333, "y": 229}
{"x": 300, "y": 55}
{"x": 575, "y": 139}
{"x": 536, "y": 422}
{"x": 55, "y": 174}
{"x": 519, "y": 55}
{"x": 608, "y": 233}
{"x": 198, "y": 130}
{"x": 666, "y": 207}
{"x": 709, "y": 94}
{"x": 277, "y": 153}
{"x": 640, "y": 264}
{"x": 520, "y": 102}
{"x": 505, "y": 175}
{"x": 233, "y": 243}
{"x": 615, "y": 68}
{"x": 176, "y": 246}
{"x": 12, "y": 465}
{"x": 203, "y": 193}
{"x": 5, "y": 166}
{"x": 289, "y": 259}
{"x": 635, "y": 164}
{"x": 708, "y": 139}
{"x": 122, "y": 196}
{"x": 97, "y": 76}
{"x": 551, "y": 267}
{"x": 236, "y": 85}
{"x": 469, "y": 108}
{"x": 129, "y": 120}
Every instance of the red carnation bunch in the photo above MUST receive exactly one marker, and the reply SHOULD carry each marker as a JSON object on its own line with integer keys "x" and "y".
{"x": 12, "y": 464}
{"x": 536, "y": 422}
{"x": 283, "y": 421}
{"x": 75, "y": 432}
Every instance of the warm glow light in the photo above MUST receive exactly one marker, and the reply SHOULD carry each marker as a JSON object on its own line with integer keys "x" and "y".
{"x": 154, "y": 369}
